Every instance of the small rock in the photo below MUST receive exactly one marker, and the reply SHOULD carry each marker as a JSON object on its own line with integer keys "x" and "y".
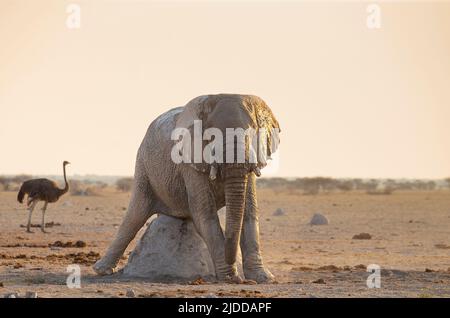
{"x": 278, "y": 212}
{"x": 319, "y": 281}
{"x": 318, "y": 219}
{"x": 80, "y": 244}
{"x": 211, "y": 296}
{"x": 31, "y": 295}
{"x": 12, "y": 295}
{"x": 428, "y": 270}
{"x": 1, "y": 284}
{"x": 130, "y": 293}
{"x": 362, "y": 236}
{"x": 361, "y": 266}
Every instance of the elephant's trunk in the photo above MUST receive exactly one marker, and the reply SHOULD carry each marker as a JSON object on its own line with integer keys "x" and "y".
{"x": 235, "y": 189}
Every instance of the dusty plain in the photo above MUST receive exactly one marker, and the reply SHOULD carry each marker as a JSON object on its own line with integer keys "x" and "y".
{"x": 410, "y": 241}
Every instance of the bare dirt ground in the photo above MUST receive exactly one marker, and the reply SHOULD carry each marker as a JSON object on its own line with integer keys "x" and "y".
{"x": 410, "y": 240}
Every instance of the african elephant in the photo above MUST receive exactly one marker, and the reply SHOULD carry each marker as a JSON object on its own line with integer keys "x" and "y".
{"x": 197, "y": 190}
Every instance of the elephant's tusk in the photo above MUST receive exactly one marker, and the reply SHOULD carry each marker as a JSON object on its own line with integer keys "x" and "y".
{"x": 213, "y": 172}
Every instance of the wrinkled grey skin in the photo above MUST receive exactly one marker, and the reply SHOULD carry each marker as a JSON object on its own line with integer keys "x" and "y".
{"x": 186, "y": 190}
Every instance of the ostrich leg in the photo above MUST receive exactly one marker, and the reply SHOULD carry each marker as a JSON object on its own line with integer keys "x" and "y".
{"x": 43, "y": 217}
{"x": 30, "y": 211}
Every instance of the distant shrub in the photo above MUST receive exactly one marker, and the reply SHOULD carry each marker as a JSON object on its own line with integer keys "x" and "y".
{"x": 318, "y": 185}
{"x": 345, "y": 185}
{"x": 85, "y": 188}
{"x": 92, "y": 191}
{"x": 124, "y": 184}
{"x": 13, "y": 183}
{"x": 381, "y": 191}
{"x": 76, "y": 187}
{"x": 21, "y": 178}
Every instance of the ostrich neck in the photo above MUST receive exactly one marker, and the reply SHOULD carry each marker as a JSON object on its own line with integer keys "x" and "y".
{"x": 66, "y": 186}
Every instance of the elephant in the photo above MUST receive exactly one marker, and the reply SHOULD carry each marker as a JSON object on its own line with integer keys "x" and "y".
{"x": 197, "y": 190}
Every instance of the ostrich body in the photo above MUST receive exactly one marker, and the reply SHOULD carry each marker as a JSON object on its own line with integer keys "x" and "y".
{"x": 41, "y": 190}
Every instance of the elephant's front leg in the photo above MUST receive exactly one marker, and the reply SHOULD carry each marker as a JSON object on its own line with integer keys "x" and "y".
{"x": 254, "y": 268}
{"x": 139, "y": 210}
{"x": 203, "y": 211}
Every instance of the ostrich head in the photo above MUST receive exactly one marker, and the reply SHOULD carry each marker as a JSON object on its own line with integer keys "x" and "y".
{"x": 66, "y": 163}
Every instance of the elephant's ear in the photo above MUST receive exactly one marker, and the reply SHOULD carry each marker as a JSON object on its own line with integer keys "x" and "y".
{"x": 194, "y": 110}
{"x": 267, "y": 121}
{"x": 197, "y": 109}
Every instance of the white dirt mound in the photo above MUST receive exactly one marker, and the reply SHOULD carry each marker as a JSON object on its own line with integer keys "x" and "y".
{"x": 170, "y": 249}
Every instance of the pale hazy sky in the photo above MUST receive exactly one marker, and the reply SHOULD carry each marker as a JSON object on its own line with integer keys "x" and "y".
{"x": 351, "y": 102}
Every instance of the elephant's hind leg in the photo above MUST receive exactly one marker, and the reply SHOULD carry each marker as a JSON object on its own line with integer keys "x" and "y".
{"x": 139, "y": 210}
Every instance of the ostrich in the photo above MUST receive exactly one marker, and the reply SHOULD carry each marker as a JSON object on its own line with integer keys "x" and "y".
{"x": 41, "y": 190}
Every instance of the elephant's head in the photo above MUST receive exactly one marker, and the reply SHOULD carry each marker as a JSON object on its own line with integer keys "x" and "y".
{"x": 220, "y": 115}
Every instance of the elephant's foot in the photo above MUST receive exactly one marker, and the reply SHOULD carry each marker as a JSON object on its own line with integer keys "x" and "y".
{"x": 259, "y": 275}
{"x": 104, "y": 267}
{"x": 229, "y": 275}
{"x": 235, "y": 279}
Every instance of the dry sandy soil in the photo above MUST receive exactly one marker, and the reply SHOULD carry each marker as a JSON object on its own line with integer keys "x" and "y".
{"x": 410, "y": 241}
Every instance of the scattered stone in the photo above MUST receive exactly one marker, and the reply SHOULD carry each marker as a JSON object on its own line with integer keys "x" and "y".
{"x": 1, "y": 284}
{"x": 301, "y": 269}
{"x": 47, "y": 225}
{"x": 362, "y": 236}
{"x": 319, "y": 281}
{"x": 32, "y": 245}
{"x": 442, "y": 246}
{"x": 361, "y": 266}
{"x": 69, "y": 244}
{"x": 428, "y": 270}
{"x": 318, "y": 219}
{"x": 332, "y": 268}
{"x": 286, "y": 262}
{"x": 12, "y": 295}
{"x": 130, "y": 293}
{"x": 30, "y": 294}
{"x": 80, "y": 244}
{"x": 279, "y": 212}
